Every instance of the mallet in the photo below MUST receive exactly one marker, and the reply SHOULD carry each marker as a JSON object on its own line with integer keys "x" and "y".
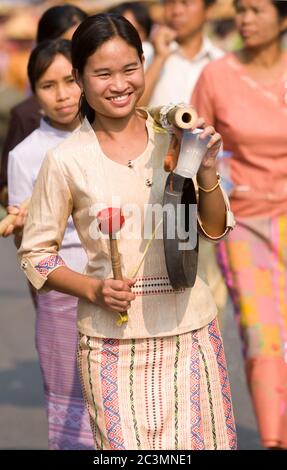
{"x": 110, "y": 222}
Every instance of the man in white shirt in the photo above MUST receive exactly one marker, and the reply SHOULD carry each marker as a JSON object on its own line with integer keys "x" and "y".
{"x": 181, "y": 52}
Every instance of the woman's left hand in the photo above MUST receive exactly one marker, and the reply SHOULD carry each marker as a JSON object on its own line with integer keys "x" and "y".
{"x": 213, "y": 146}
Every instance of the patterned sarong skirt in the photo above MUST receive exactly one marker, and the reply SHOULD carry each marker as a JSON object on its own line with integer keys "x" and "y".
{"x": 158, "y": 393}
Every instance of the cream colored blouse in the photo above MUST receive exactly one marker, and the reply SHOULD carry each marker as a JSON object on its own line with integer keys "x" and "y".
{"x": 78, "y": 178}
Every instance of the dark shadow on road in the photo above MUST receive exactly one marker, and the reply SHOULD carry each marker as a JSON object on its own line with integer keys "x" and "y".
{"x": 22, "y": 385}
{"x": 248, "y": 439}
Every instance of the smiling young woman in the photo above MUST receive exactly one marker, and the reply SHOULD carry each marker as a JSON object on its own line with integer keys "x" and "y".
{"x": 160, "y": 380}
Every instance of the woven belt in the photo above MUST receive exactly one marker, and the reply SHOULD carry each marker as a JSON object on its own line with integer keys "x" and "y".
{"x": 154, "y": 285}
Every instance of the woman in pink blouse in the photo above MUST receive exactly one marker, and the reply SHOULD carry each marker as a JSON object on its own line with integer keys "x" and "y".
{"x": 244, "y": 95}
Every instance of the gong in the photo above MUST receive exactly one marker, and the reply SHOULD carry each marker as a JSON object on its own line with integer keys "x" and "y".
{"x": 180, "y": 234}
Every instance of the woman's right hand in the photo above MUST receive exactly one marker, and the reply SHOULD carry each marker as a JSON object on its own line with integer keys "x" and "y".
{"x": 19, "y": 222}
{"x": 112, "y": 294}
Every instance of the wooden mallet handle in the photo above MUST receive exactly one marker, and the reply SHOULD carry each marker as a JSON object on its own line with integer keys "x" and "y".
{"x": 110, "y": 222}
{"x": 115, "y": 258}
{"x": 117, "y": 272}
{"x": 10, "y": 218}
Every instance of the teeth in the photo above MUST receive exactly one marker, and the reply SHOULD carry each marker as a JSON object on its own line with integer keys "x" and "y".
{"x": 119, "y": 98}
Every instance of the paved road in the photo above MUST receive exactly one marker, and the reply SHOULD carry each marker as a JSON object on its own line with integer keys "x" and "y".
{"x": 22, "y": 416}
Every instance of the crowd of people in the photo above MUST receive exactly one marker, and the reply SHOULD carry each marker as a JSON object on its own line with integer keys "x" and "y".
{"x": 83, "y": 137}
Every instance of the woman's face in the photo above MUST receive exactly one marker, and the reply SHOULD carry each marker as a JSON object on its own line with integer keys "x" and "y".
{"x": 113, "y": 79}
{"x": 59, "y": 94}
{"x": 258, "y": 22}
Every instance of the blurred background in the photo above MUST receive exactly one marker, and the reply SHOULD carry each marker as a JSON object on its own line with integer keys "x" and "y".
{"x": 18, "y": 25}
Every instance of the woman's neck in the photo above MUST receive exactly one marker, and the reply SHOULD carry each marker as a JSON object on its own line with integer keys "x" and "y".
{"x": 111, "y": 127}
{"x": 121, "y": 139}
{"x": 67, "y": 127}
{"x": 192, "y": 45}
{"x": 262, "y": 57}
{"x": 266, "y": 65}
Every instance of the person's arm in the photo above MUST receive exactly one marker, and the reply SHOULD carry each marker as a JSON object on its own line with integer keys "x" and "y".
{"x": 50, "y": 206}
{"x": 15, "y": 135}
{"x": 211, "y": 205}
{"x": 49, "y": 209}
{"x": 24, "y": 118}
{"x": 16, "y": 228}
{"x": 215, "y": 217}
{"x": 108, "y": 293}
{"x": 20, "y": 187}
{"x": 161, "y": 40}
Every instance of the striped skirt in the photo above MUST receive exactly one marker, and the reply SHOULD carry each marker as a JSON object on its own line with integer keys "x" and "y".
{"x": 56, "y": 341}
{"x": 254, "y": 262}
{"x": 158, "y": 393}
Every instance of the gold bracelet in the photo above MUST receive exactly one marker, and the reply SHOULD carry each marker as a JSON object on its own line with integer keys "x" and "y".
{"x": 213, "y": 187}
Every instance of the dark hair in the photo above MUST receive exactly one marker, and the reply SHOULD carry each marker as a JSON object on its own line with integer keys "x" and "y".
{"x": 223, "y": 27}
{"x": 90, "y": 35}
{"x": 57, "y": 20}
{"x": 140, "y": 12}
{"x": 280, "y": 5}
{"x": 43, "y": 55}
{"x": 207, "y": 3}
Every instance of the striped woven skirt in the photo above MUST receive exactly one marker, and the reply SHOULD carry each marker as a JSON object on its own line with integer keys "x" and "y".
{"x": 56, "y": 341}
{"x": 158, "y": 393}
{"x": 254, "y": 262}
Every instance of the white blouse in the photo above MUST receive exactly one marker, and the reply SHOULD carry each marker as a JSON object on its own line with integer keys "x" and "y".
{"x": 24, "y": 164}
{"x": 77, "y": 178}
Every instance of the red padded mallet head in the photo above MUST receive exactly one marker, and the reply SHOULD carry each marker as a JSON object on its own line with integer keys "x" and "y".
{"x": 110, "y": 220}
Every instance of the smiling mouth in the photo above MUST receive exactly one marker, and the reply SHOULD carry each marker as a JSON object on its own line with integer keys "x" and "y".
{"x": 119, "y": 98}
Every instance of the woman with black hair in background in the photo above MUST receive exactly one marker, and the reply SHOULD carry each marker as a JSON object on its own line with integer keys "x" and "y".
{"x": 59, "y": 21}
